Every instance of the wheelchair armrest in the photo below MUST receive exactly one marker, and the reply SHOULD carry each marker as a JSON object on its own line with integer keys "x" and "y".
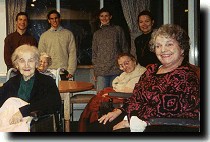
{"x": 46, "y": 122}
{"x": 120, "y": 94}
{"x": 174, "y": 121}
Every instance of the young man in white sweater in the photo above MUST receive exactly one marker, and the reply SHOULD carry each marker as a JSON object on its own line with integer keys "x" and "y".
{"x": 59, "y": 43}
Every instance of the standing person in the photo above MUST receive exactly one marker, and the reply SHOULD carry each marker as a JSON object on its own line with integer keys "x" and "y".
{"x": 166, "y": 90}
{"x": 19, "y": 37}
{"x": 107, "y": 43}
{"x": 59, "y": 43}
{"x": 144, "y": 55}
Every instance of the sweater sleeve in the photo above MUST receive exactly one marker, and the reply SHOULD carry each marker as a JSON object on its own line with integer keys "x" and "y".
{"x": 72, "y": 61}
{"x": 41, "y": 44}
{"x": 94, "y": 49}
{"x": 123, "y": 41}
{"x": 7, "y": 53}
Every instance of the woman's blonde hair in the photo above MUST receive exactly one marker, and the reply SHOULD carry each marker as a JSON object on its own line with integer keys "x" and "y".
{"x": 174, "y": 32}
{"x": 49, "y": 59}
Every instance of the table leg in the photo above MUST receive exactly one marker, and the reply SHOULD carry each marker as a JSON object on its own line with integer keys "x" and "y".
{"x": 66, "y": 98}
{"x": 67, "y": 125}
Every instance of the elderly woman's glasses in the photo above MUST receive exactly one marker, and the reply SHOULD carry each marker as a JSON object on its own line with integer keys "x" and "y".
{"x": 126, "y": 63}
{"x": 22, "y": 61}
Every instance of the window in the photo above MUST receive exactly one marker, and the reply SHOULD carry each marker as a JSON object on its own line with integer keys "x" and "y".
{"x": 77, "y": 15}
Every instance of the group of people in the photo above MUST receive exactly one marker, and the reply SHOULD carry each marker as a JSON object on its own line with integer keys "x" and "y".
{"x": 162, "y": 82}
{"x": 34, "y": 85}
{"x": 57, "y": 42}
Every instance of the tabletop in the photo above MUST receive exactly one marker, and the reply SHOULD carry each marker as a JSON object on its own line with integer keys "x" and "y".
{"x": 74, "y": 86}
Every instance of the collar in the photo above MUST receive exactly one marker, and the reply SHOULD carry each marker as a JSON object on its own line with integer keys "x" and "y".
{"x": 28, "y": 81}
{"x": 25, "y": 33}
{"x": 58, "y": 29}
{"x": 103, "y": 26}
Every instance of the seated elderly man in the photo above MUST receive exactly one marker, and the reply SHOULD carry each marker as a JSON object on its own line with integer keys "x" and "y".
{"x": 26, "y": 92}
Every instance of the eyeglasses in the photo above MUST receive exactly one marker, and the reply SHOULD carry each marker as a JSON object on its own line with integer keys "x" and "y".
{"x": 22, "y": 61}
{"x": 126, "y": 63}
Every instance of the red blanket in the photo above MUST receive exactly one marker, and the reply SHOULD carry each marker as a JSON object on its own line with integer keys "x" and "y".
{"x": 90, "y": 113}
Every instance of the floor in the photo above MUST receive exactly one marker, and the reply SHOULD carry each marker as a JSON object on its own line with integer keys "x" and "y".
{"x": 74, "y": 126}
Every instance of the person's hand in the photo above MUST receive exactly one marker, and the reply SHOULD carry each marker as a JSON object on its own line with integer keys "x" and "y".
{"x": 122, "y": 124}
{"x": 110, "y": 116}
{"x": 104, "y": 95}
{"x": 69, "y": 76}
{"x": 16, "y": 118}
{"x": 94, "y": 78}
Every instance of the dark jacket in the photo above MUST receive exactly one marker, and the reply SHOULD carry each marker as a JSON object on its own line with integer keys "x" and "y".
{"x": 144, "y": 55}
{"x": 14, "y": 40}
{"x": 44, "y": 96}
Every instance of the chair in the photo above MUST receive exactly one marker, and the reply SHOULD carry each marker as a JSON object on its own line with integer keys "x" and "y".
{"x": 40, "y": 122}
{"x": 82, "y": 97}
{"x": 79, "y": 98}
{"x": 168, "y": 124}
{"x": 11, "y": 72}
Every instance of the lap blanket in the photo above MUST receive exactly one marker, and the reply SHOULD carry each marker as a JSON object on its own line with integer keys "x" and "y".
{"x": 10, "y": 107}
{"x": 90, "y": 113}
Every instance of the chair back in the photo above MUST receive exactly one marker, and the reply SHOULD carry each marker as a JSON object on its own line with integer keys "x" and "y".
{"x": 56, "y": 73}
{"x": 11, "y": 72}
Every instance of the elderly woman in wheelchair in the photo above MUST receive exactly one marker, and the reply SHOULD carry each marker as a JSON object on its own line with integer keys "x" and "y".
{"x": 44, "y": 62}
{"x": 123, "y": 83}
{"x": 26, "y": 92}
{"x": 166, "y": 94}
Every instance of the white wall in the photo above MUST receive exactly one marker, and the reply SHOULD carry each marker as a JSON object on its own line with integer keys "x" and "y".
{"x": 3, "y": 68}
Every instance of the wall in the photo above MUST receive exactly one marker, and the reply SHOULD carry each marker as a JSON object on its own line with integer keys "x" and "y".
{"x": 3, "y": 68}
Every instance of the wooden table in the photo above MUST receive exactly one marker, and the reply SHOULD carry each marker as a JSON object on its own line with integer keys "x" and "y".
{"x": 66, "y": 88}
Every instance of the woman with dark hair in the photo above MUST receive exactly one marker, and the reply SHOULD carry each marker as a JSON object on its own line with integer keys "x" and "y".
{"x": 122, "y": 83}
{"x": 144, "y": 55}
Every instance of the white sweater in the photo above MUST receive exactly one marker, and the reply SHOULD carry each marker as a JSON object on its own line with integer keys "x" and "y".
{"x": 126, "y": 81}
{"x": 60, "y": 45}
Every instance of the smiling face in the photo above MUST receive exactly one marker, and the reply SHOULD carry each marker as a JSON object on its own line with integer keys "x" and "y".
{"x": 168, "y": 51}
{"x": 105, "y": 18}
{"x": 43, "y": 64}
{"x": 145, "y": 23}
{"x": 26, "y": 64}
{"x": 126, "y": 64}
{"x": 22, "y": 22}
{"x": 54, "y": 20}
